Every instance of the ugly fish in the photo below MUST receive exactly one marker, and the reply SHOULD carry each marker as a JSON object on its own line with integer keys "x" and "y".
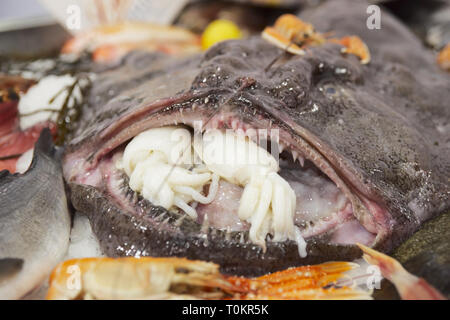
{"x": 374, "y": 137}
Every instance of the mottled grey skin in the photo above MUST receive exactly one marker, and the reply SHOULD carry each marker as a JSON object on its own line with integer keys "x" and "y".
{"x": 426, "y": 254}
{"x": 383, "y": 128}
{"x": 394, "y": 111}
{"x": 34, "y": 221}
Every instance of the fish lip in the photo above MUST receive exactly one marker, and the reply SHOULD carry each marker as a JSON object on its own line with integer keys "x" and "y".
{"x": 116, "y": 229}
{"x": 256, "y": 118}
{"x": 155, "y": 109}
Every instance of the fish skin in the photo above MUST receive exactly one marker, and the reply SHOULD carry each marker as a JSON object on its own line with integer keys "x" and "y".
{"x": 404, "y": 158}
{"x": 34, "y": 219}
{"x": 377, "y": 124}
{"x": 426, "y": 254}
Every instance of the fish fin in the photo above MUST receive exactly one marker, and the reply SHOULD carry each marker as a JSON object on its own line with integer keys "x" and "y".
{"x": 45, "y": 144}
{"x": 44, "y": 147}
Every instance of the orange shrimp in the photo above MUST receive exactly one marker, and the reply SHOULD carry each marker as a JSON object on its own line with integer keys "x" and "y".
{"x": 176, "y": 278}
{"x": 301, "y": 283}
{"x": 354, "y": 45}
{"x": 292, "y": 34}
{"x": 110, "y": 43}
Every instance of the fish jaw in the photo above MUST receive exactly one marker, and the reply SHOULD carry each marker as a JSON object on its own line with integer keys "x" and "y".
{"x": 92, "y": 172}
{"x": 163, "y": 234}
{"x": 189, "y": 110}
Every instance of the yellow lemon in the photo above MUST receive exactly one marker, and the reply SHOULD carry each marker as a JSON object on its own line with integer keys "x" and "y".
{"x": 219, "y": 30}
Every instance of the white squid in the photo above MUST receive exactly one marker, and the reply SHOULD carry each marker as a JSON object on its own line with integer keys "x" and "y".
{"x": 267, "y": 202}
{"x": 159, "y": 163}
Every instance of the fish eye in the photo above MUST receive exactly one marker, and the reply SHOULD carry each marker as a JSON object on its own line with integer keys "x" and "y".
{"x": 329, "y": 90}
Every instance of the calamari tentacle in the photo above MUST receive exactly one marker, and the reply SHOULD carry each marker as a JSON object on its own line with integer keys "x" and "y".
{"x": 180, "y": 203}
{"x": 197, "y": 196}
{"x": 260, "y": 214}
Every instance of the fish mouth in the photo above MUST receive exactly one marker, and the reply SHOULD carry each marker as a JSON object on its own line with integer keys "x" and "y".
{"x": 329, "y": 207}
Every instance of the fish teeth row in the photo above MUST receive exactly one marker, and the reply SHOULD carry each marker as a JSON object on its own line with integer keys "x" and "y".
{"x": 262, "y": 134}
{"x": 296, "y": 155}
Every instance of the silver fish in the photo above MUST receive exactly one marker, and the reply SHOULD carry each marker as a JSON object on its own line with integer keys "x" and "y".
{"x": 34, "y": 221}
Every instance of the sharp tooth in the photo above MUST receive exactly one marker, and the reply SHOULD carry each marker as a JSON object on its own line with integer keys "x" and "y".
{"x": 294, "y": 155}
{"x": 228, "y": 234}
{"x": 179, "y": 221}
{"x": 280, "y": 148}
{"x": 301, "y": 160}
{"x": 160, "y": 217}
{"x": 205, "y": 225}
